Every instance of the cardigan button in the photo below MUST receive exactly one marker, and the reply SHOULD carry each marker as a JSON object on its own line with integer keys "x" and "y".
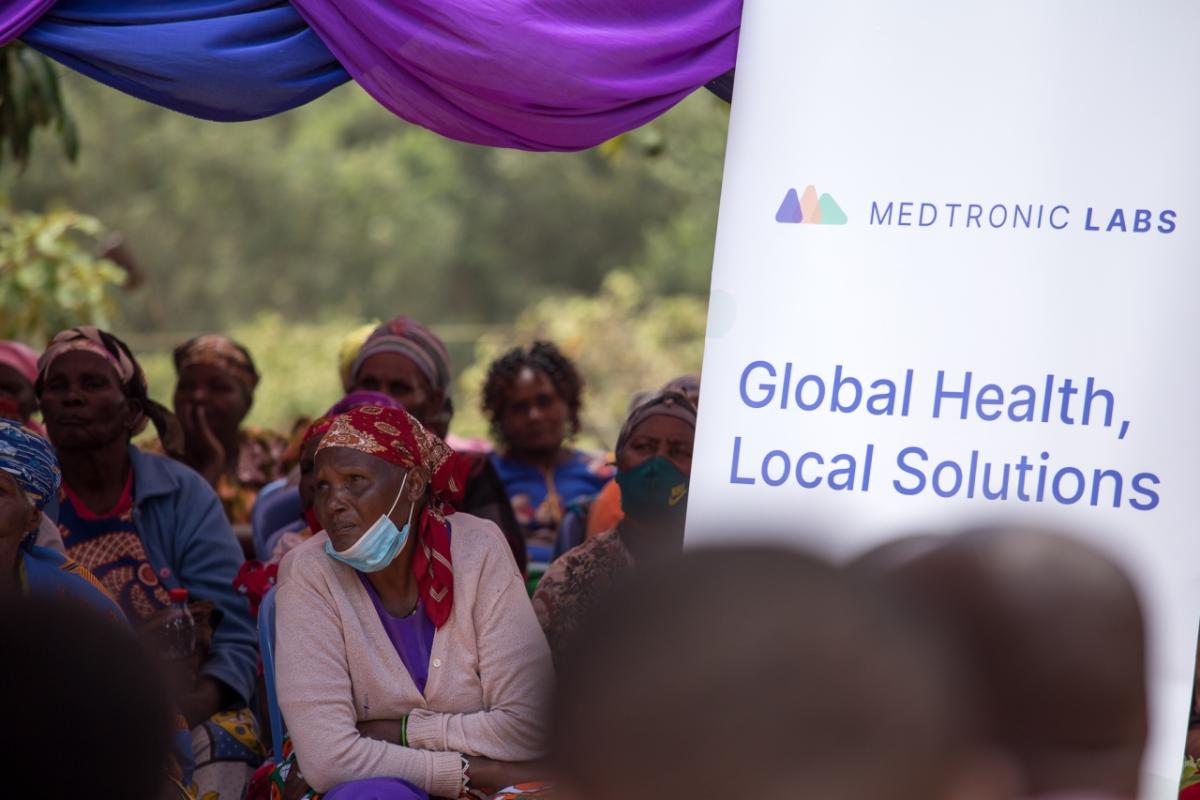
{"x": 437, "y": 662}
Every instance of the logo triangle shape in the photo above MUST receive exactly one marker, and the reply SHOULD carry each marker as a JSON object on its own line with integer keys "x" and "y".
{"x": 831, "y": 212}
{"x": 789, "y": 210}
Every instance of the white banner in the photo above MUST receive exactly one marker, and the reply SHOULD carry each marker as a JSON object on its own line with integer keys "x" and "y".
{"x": 956, "y": 273}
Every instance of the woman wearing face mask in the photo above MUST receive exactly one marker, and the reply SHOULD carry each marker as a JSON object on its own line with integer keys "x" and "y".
{"x": 409, "y": 661}
{"x": 605, "y": 511}
{"x": 654, "y": 465}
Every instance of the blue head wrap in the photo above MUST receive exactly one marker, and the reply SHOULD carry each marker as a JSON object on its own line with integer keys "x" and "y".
{"x": 30, "y": 459}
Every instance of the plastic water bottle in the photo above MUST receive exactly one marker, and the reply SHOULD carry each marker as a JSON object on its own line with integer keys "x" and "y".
{"x": 179, "y": 630}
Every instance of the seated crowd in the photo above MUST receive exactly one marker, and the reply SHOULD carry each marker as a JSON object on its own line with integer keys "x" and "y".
{"x": 450, "y": 621}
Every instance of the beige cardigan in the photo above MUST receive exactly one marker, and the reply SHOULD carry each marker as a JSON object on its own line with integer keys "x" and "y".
{"x": 490, "y": 673}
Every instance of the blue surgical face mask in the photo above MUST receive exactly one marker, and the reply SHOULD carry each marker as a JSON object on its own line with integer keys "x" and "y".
{"x": 380, "y": 544}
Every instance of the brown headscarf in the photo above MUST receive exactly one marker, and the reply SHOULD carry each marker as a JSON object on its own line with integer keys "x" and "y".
{"x": 663, "y": 403}
{"x": 221, "y": 352}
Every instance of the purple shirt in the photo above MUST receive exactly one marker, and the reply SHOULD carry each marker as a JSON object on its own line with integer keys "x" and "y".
{"x": 412, "y": 636}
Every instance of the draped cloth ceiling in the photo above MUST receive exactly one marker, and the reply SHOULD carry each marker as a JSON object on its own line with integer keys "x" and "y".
{"x": 527, "y": 74}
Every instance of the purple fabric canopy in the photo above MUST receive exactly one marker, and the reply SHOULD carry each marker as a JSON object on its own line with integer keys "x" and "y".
{"x": 528, "y": 74}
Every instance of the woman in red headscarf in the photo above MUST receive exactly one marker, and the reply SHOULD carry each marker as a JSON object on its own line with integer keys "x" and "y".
{"x": 409, "y": 662}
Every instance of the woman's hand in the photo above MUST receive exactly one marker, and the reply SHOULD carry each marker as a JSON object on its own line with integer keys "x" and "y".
{"x": 485, "y": 773}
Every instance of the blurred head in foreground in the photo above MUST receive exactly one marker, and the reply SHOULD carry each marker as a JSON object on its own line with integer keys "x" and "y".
{"x": 1052, "y": 631}
{"x": 759, "y": 672}
{"x": 115, "y": 709}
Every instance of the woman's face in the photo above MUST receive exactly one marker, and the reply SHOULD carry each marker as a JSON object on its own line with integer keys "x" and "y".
{"x": 401, "y": 379}
{"x": 84, "y": 404}
{"x": 14, "y": 386}
{"x": 659, "y": 435}
{"x": 353, "y": 490}
{"x": 17, "y": 515}
{"x": 225, "y": 401}
{"x": 535, "y": 416}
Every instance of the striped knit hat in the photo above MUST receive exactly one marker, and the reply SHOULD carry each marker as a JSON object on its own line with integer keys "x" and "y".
{"x": 411, "y": 339}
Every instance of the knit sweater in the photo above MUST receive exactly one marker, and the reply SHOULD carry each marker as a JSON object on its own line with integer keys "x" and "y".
{"x": 489, "y": 671}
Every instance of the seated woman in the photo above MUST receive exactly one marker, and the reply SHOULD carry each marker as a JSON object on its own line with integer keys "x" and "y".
{"x": 532, "y": 398}
{"x": 213, "y": 395}
{"x": 409, "y": 662}
{"x": 654, "y": 465}
{"x": 143, "y": 524}
{"x": 407, "y": 361}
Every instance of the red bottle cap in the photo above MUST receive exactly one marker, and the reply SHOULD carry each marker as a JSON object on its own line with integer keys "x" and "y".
{"x": 178, "y": 595}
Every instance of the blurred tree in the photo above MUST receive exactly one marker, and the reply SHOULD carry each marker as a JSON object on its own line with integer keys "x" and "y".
{"x": 340, "y": 210}
{"x": 50, "y": 275}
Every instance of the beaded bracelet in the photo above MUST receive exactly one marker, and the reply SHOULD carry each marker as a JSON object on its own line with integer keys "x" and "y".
{"x": 404, "y": 731}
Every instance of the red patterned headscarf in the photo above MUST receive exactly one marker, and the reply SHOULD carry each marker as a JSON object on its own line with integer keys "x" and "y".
{"x": 393, "y": 435}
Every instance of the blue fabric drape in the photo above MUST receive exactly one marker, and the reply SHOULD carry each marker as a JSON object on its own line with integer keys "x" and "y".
{"x": 224, "y": 60}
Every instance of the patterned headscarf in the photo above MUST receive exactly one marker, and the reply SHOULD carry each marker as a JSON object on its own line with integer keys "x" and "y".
{"x": 20, "y": 357}
{"x": 362, "y": 398}
{"x": 91, "y": 339}
{"x": 394, "y": 436}
{"x": 30, "y": 459}
{"x": 317, "y": 427}
{"x": 221, "y": 352}
{"x": 414, "y": 341}
{"x": 664, "y": 403}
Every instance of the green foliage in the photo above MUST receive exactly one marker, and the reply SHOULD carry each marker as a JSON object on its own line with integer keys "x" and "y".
{"x": 623, "y": 339}
{"x": 30, "y": 98}
{"x": 341, "y": 210}
{"x": 50, "y": 275}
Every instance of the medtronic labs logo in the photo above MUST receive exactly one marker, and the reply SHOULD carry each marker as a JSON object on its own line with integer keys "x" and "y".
{"x": 808, "y": 209}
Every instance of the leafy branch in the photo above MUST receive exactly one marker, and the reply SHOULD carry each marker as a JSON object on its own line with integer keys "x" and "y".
{"x": 31, "y": 98}
{"x": 50, "y": 275}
